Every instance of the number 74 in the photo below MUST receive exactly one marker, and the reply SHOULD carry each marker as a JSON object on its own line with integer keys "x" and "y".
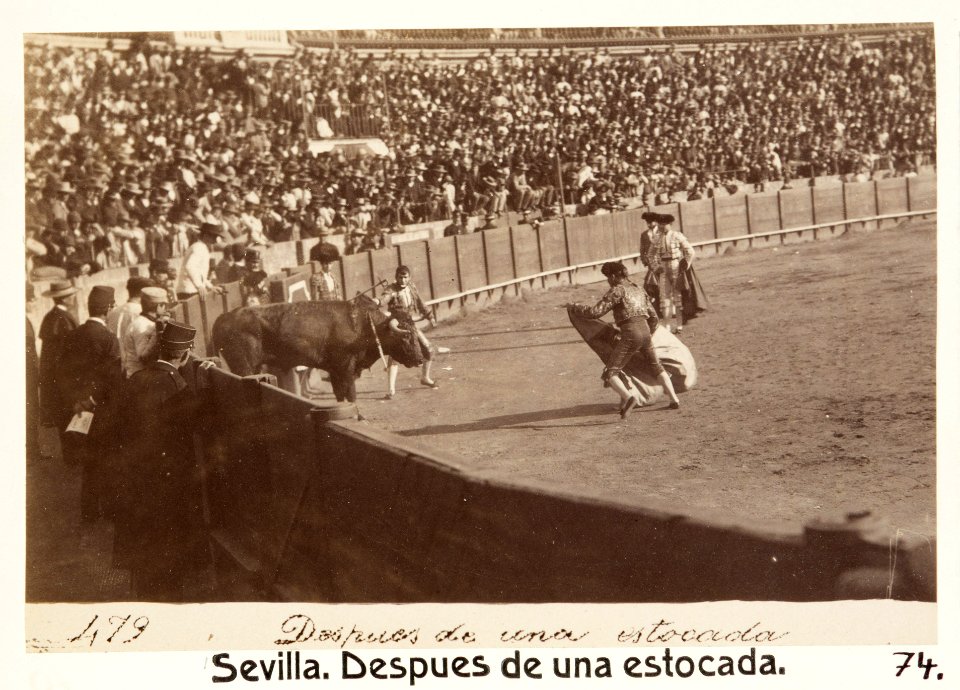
{"x": 927, "y": 666}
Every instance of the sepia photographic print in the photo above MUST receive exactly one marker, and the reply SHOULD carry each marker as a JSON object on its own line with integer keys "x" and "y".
{"x": 589, "y": 323}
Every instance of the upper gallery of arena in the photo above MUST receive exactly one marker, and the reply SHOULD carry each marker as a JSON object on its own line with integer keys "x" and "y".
{"x": 465, "y": 117}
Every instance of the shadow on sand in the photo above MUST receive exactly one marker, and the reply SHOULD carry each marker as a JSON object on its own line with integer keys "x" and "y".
{"x": 532, "y": 420}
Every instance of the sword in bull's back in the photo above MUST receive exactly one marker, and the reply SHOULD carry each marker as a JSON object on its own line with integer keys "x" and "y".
{"x": 383, "y": 358}
{"x": 369, "y": 289}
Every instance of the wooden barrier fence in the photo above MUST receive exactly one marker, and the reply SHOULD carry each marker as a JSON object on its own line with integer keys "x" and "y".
{"x": 308, "y": 504}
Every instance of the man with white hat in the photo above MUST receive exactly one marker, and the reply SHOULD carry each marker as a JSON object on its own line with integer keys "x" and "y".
{"x": 194, "y": 275}
{"x": 251, "y": 221}
{"x": 138, "y": 347}
{"x": 53, "y": 329}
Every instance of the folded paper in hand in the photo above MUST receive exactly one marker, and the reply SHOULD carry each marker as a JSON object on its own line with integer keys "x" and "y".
{"x": 81, "y": 422}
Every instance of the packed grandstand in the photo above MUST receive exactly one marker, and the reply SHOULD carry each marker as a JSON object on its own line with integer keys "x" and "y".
{"x": 131, "y": 143}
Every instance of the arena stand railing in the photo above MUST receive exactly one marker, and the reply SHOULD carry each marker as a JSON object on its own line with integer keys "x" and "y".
{"x": 577, "y": 37}
{"x": 268, "y": 42}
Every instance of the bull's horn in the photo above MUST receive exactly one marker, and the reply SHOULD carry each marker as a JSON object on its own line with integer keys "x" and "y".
{"x": 395, "y": 327}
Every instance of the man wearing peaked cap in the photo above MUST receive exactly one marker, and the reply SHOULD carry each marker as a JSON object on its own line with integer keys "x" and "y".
{"x": 89, "y": 378}
{"x": 177, "y": 339}
{"x": 161, "y": 539}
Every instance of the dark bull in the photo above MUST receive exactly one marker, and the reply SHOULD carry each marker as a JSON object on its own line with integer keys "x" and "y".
{"x": 338, "y": 337}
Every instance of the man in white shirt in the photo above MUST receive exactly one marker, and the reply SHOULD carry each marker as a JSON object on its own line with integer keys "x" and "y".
{"x": 251, "y": 222}
{"x": 194, "y": 275}
{"x": 119, "y": 319}
{"x": 138, "y": 348}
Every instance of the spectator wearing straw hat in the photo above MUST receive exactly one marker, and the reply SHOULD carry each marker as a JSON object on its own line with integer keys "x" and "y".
{"x": 56, "y": 324}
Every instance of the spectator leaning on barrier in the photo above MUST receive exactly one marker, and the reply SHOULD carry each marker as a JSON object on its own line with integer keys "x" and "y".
{"x": 194, "y": 275}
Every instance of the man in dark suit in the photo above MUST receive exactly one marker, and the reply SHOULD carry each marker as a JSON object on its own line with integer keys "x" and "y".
{"x": 160, "y": 535}
{"x": 89, "y": 377}
{"x": 55, "y": 326}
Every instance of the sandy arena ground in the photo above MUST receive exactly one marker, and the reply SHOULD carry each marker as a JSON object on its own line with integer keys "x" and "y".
{"x": 816, "y": 394}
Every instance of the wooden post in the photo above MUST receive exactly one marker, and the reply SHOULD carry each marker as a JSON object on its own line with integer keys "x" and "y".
{"x": 876, "y": 202}
{"x": 716, "y": 230}
{"x": 456, "y": 256}
{"x": 433, "y": 288}
{"x": 780, "y": 213}
{"x": 486, "y": 261}
{"x": 846, "y": 215}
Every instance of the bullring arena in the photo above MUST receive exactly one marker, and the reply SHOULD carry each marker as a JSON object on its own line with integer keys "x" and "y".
{"x": 801, "y": 467}
{"x": 816, "y": 394}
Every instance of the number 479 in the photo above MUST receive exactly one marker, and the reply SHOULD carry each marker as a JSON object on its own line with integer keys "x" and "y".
{"x": 92, "y": 630}
{"x": 927, "y": 665}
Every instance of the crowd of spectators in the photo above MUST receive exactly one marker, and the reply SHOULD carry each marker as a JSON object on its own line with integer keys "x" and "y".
{"x": 128, "y": 152}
